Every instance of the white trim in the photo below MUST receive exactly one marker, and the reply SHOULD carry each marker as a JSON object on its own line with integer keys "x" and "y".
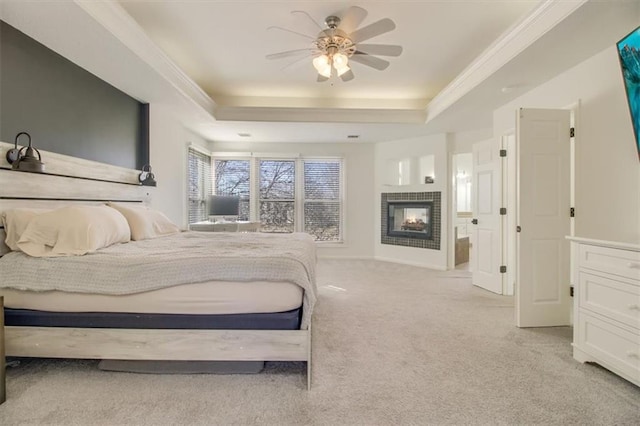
{"x": 603, "y": 243}
{"x": 406, "y": 262}
{"x": 519, "y": 37}
{"x": 199, "y": 148}
{"x": 112, "y": 16}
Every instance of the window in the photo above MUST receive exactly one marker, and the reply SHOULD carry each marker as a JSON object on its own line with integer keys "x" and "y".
{"x": 199, "y": 177}
{"x": 232, "y": 177}
{"x": 286, "y": 195}
{"x": 322, "y": 199}
{"x": 277, "y": 195}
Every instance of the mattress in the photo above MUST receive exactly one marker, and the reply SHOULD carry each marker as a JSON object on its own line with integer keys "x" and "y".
{"x": 208, "y": 298}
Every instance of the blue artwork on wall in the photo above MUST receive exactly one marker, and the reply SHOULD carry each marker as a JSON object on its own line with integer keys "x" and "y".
{"x": 629, "y": 53}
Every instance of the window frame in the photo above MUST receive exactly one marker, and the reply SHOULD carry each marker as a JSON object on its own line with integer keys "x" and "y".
{"x": 208, "y": 186}
{"x": 299, "y": 193}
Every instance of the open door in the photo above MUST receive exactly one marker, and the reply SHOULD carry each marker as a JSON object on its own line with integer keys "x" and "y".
{"x": 542, "y": 284}
{"x": 487, "y": 232}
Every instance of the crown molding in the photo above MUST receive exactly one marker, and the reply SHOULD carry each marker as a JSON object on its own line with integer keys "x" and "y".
{"x": 112, "y": 16}
{"x": 321, "y": 115}
{"x": 514, "y": 41}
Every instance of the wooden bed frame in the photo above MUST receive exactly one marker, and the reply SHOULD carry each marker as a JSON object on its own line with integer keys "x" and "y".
{"x": 69, "y": 180}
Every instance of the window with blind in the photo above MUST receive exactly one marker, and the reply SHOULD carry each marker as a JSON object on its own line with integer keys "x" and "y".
{"x": 199, "y": 177}
{"x": 322, "y": 199}
{"x": 233, "y": 177}
{"x": 286, "y": 195}
{"x": 277, "y": 195}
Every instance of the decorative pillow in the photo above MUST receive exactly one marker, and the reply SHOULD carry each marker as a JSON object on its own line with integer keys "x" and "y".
{"x": 15, "y": 222}
{"x": 144, "y": 222}
{"x": 74, "y": 231}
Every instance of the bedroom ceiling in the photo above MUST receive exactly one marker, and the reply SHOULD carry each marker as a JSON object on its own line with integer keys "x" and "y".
{"x": 222, "y": 45}
{"x": 205, "y": 61}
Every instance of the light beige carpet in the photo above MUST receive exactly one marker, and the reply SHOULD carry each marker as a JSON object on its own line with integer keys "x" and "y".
{"x": 392, "y": 345}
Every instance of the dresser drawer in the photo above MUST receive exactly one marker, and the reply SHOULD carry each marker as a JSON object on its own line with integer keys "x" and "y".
{"x": 625, "y": 263}
{"x": 615, "y": 347}
{"x": 609, "y": 297}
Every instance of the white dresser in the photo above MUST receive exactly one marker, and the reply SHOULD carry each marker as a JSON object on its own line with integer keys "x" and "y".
{"x": 607, "y": 305}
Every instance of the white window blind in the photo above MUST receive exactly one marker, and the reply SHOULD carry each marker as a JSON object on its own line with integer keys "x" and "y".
{"x": 286, "y": 194}
{"x": 199, "y": 177}
{"x": 233, "y": 177}
{"x": 323, "y": 199}
{"x": 277, "y": 195}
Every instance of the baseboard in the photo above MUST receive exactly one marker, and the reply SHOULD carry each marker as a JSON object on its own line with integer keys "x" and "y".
{"x": 405, "y": 262}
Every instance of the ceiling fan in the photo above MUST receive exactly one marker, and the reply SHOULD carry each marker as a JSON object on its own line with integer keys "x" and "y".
{"x": 341, "y": 42}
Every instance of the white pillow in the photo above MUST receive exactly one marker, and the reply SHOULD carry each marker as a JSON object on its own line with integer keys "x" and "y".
{"x": 74, "y": 231}
{"x": 15, "y": 222}
{"x": 145, "y": 222}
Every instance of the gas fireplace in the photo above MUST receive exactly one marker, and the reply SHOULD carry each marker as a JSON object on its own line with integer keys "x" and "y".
{"x": 410, "y": 219}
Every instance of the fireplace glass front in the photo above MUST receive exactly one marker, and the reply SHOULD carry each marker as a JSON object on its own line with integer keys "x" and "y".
{"x": 410, "y": 219}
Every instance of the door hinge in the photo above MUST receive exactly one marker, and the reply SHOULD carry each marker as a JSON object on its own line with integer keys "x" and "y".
{"x": 518, "y": 228}
{"x": 503, "y": 269}
{"x": 572, "y": 212}
{"x": 474, "y": 221}
{"x": 503, "y": 153}
{"x": 572, "y": 132}
{"x": 571, "y": 291}
{"x": 503, "y": 211}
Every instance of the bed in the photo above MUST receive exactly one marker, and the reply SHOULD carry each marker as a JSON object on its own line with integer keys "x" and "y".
{"x": 189, "y": 296}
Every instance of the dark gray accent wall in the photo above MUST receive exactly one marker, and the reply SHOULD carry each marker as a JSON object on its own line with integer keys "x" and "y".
{"x": 65, "y": 108}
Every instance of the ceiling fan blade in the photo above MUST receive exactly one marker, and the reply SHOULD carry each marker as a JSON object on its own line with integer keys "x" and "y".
{"x": 381, "y": 49}
{"x": 302, "y": 12}
{"x": 322, "y": 79}
{"x": 352, "y": 18}
{"x": 347, "y": 76}
{"x": 288, "y": 53}
{"x": 372, "y": 30}
{"x": 371, "y": 61}
{"x": 296, "y": 62}
{"x": 292, "y": 32}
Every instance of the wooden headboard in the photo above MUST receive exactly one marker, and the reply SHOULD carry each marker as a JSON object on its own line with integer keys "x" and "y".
{"x": 67, "y": 180}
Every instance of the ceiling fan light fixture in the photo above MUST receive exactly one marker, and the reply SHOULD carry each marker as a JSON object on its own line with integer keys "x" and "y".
{"x": 320, "y": 62}
{"x": 340, "y": 60}
{"x": 341, "y": 69}
{"x": 332, "y": 48}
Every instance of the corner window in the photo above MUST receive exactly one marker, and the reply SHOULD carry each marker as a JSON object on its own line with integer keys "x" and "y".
{"x": 285, "y": 194}
{"x": 199, "y": 182}
{"x": 233, "y": 177}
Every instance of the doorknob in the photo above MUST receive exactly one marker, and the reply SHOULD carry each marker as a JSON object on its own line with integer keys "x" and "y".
{"x": 474, "y": 221}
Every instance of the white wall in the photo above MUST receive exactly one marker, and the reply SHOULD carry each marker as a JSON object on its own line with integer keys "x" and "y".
{"x": 359, "y": 189}
{"x": 435, "y": 145}
{"x": 168, "y": 152}
{"x": 463, "y": 141}
{"x": 607, "y": 166}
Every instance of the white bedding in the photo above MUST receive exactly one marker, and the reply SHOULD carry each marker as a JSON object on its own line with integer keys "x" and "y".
{"x": 211, "y": 298}
{"x": 185, "y": 258}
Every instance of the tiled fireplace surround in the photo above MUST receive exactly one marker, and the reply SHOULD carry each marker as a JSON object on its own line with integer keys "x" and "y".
{"x": 434, "y": 242}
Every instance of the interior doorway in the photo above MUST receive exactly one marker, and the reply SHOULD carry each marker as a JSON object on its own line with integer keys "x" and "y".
{"x": 463, "y": 190}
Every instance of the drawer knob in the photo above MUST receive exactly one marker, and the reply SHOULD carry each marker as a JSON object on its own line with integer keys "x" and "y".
{"x": 632, "y": 354}
{"x": 634, "y": 307}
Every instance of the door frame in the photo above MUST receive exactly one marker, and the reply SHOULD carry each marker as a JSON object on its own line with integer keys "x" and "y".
{"x": 511, "y": 196}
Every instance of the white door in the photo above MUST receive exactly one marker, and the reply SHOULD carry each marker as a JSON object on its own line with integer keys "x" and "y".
{"x": 486, "y": 253}
{"x": 542, "y": 284}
